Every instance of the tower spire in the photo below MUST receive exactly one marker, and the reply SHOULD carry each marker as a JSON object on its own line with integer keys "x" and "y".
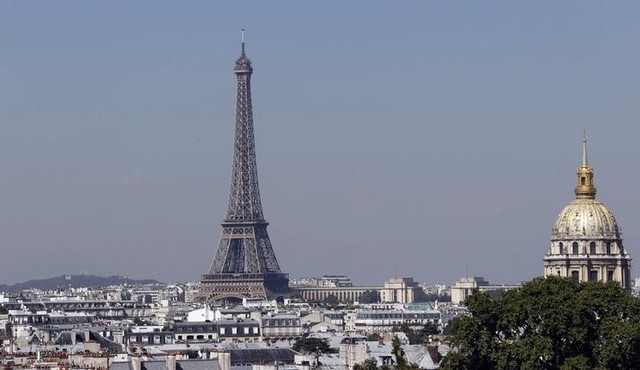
{"x": 585, "y": 188}
{"x": 242, "y": 33}
{"x": 243, "y": 64}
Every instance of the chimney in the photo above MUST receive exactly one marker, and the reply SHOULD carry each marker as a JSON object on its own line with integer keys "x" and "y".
{"x": 171, "y": 361}
{"x": 224, "y": 359}
{"x": 136, "y": 362}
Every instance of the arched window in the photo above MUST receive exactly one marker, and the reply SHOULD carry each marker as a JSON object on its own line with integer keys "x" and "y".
{"x": 575, "y": 248}
{"x": 592, "y": 248}
{"x": 583, "y": 180}
{"x": 561, "y": 248}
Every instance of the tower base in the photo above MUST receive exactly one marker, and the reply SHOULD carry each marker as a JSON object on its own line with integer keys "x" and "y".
{"x": 219, "y": 287}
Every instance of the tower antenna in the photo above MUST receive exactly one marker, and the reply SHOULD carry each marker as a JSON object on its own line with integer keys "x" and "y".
{"x": 242, "y": 37}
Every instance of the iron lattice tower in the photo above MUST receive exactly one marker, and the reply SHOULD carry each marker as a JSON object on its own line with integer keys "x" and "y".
{"x": 244, "y": 264}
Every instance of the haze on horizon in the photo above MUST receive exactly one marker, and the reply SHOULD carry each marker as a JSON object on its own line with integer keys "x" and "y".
{"x": 429, "y": 140}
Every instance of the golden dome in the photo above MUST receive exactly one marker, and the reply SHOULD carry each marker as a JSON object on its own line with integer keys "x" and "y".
{"x": 585, "y": 218}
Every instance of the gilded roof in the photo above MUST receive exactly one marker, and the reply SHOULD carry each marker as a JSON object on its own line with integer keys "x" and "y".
{"x": 586, "y": 217}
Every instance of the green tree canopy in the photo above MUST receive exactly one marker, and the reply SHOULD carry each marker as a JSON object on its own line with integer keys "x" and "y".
{"x": 369, "y": 296}
{"x": 312, "y": 345}
{"x": 401, "y": 362}
{"x": 418, "y": 336}
{"x": 549, "y": 323}
{"x": 331, "y": 300}
{"x": 368, "y": 364}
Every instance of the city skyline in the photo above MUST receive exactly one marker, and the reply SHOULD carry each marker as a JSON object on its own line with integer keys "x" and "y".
{"x": 430, "y": 143}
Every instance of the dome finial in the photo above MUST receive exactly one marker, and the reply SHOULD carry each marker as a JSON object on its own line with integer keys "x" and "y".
{"x": 585, "y": 188}
{"x": 585, "y": 160}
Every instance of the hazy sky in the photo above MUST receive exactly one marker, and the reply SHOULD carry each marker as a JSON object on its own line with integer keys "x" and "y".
{"x": 423, "y": 139}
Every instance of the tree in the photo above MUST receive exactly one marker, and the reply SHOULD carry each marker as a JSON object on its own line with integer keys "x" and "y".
{"x": 368, "y": 364}
{"x": 312, "y": 345}
{"x": 418, "y": 336}
{"x": 401, "y": 360}
{"x": 432, "y": 297}
{"x": 549, "y": 323}
{"x": 374, "y": 337}
{"x": 429, "y": 329}
{"x": 369, "y": 296}
{"x": 452, "y": 326}
{"x": 331, "y": 300}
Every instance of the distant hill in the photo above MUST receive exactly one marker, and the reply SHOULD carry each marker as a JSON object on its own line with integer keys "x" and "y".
{"x": 75, "y": 281}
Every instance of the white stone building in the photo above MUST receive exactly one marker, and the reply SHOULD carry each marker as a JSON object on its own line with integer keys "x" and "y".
{"x": 586, "y": 243}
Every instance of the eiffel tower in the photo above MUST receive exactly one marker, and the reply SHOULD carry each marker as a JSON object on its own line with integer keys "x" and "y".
{"x": 244, "y": 264}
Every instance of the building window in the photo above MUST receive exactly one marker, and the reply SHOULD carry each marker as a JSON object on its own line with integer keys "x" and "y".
{"x": 583, "y": 180}
{"x": 561, "y": 248}
{"x": 592, "y": 248}
{"x": 234, "y": 330}
{"x": 575, "y": 248}
{"x": 575, "y": 275}
{"x": 608, "y": 247}
{"x": 610, "y": 275}
{"x": 593, "y": 275}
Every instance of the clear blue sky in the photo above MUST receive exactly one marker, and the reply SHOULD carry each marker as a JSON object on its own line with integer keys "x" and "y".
{"x": 428, "y": 138}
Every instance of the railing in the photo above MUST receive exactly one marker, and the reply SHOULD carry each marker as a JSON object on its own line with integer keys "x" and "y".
{"x": 227, "y": 276}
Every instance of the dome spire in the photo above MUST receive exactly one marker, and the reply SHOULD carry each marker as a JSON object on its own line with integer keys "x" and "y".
{"x": 585, "y": 188}
{"x": 585, "y": 160}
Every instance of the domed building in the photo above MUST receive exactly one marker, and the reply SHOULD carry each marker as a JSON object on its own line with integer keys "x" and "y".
{"x": 586, "y": 243}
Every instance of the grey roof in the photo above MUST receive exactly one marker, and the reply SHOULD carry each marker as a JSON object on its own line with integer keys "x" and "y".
{"x": 65, "y": 338}
{"x": 197, "y": 365}
{"x": 120, "y": 366}
{"x": 262, "y": 356}
{"x": 162, "y": 365}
